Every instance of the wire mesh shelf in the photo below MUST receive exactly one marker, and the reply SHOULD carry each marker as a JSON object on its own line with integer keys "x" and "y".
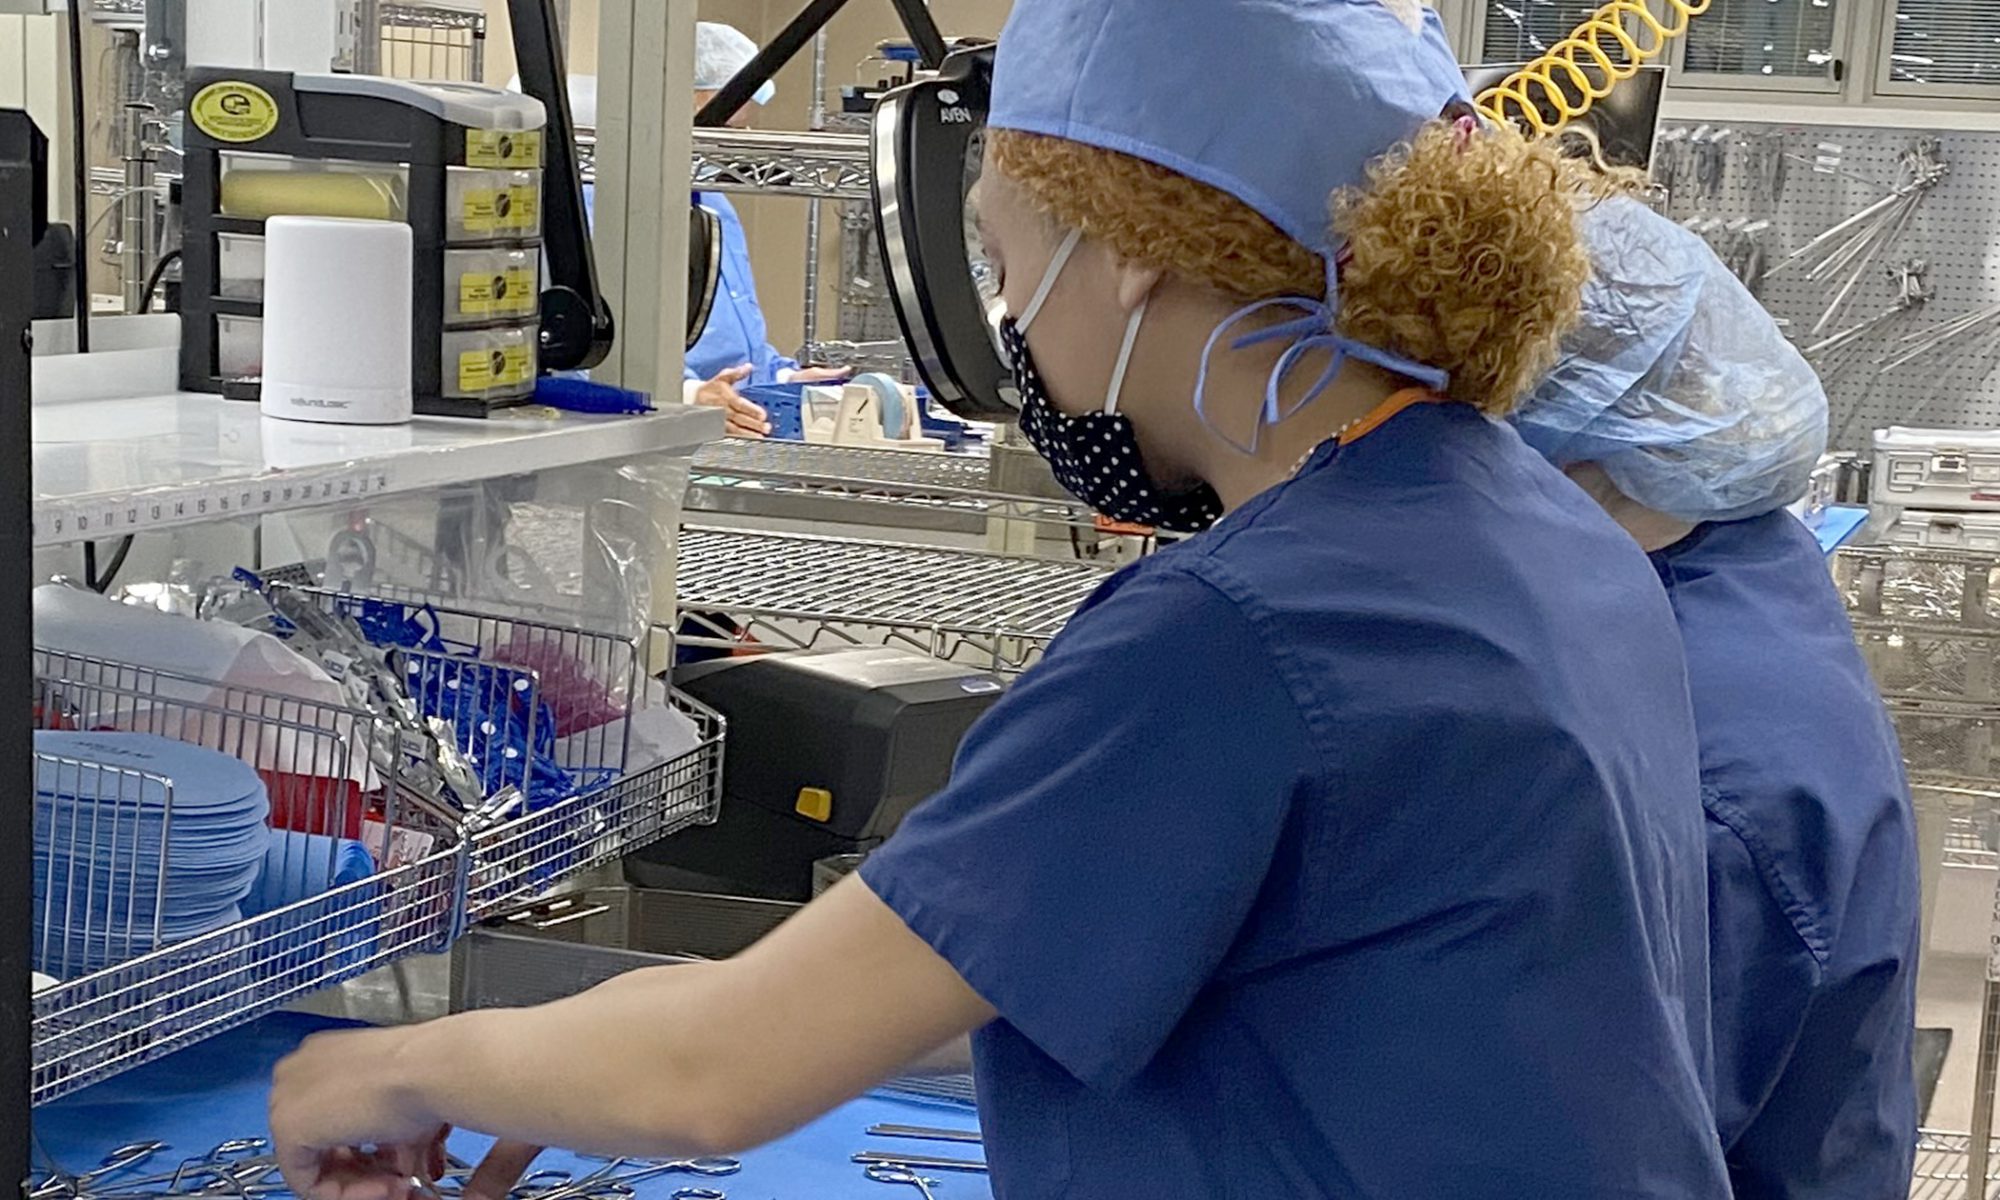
{"x": 592, "y": 794}
{"x": 324, "y": 784}
{"x": 439, "y": 42}
{"x": 826, "y": 166}
{"x": 1942, "y": 1170}
{"x": 948, "y": 483}
{"x": 742, "y": 590}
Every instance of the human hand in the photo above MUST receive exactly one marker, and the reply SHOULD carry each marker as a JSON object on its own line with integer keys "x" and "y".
{"x": 822, "y": 374}
{"x": 745, "y": 419}
{"x": 342, "y": 1133}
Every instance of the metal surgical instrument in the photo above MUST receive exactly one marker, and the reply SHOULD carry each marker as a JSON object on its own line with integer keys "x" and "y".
{"x": 607, "y": 1180}
{"x": 892, "y": 1173}
{"x": 893, "y": 1159}
{"x": 123, "y": 1159}
{"x": 926, "y": 1133}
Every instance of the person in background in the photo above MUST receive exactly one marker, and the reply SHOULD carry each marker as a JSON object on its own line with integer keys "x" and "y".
{"x": 735, "y": 350}
{"x": 1679, "y": 405}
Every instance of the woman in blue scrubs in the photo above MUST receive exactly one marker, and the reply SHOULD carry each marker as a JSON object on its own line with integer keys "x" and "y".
{"x": 734, "y": 350}
{"x": 1678, "y": 403}
{"x": 1350, "y": 848}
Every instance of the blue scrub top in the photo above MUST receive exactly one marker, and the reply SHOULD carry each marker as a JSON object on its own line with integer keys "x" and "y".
{"x": 1813, "y": 893}
{"x": 736, "y": 333}
{"x": 1351, "y": 849}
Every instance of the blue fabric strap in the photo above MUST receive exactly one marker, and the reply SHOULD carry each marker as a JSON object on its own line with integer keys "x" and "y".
{"x": 1312, "y": 330}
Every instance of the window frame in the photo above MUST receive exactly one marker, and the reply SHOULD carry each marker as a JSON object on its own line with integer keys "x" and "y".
{"x": 1838, "y": 77}
{"x": 1472, "y": 43}
{"x": 1883, "y": 78}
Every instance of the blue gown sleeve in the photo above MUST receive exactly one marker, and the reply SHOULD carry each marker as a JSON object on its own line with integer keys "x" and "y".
{"x": 1109, "y": 824}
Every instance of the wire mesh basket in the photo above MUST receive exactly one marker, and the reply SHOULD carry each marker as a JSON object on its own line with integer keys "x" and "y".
{"x": 436, "y": 42}
{"x": 594, "y": 791}
{"x": 1928, "y": 623}
{"x": 527, "y": 856}
{"x": 146, "y": 990}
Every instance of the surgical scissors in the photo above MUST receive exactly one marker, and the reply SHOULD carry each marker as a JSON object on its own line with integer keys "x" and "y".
{"x": 120, "y": 1160}
{"x": 606, "y": 1181}
{"x": 895, "y": 1174}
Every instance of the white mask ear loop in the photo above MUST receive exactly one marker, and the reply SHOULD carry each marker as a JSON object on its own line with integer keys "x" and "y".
{"x": 1125, "y": 357}
{"x": 1049, "y": 278}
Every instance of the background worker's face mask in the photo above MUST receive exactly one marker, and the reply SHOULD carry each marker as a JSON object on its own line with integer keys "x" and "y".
{"x": 1096, "y": 456}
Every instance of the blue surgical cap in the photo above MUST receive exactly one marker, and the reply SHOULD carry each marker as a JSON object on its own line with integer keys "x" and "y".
{"x": 1279, "y": 103}
{"x": 1677, "y": 382}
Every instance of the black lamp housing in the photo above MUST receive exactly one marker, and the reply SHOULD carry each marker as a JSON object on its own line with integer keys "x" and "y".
{"x": 924, "y": 137}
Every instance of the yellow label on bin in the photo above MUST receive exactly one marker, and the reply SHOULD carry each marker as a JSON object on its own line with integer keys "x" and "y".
{"x": 232, "y": 111}
{"x": 496, "y": 210}
{"x": 501, "y": 293}
{"x": 488, "y": 370}
{"x": 503, "y": 148}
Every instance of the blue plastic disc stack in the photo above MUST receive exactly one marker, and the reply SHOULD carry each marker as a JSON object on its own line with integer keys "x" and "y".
{"x": 124, "y": 864}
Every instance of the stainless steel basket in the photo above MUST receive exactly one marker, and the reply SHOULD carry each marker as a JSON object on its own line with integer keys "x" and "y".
{"x": 1928, "y": 623}
{"x": 319, "y": 770}
{"x": 570, "y": 679}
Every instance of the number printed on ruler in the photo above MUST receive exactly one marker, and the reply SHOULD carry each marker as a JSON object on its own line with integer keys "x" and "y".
{"x": 509, "y": 292}
{"x": 493, "y": 210}
{"x": 58, "y": 523}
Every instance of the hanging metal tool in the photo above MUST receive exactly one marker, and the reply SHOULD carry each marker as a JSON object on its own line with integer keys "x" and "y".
{"x": 1850, "y": 250}
{"x": 1912, "y": 292}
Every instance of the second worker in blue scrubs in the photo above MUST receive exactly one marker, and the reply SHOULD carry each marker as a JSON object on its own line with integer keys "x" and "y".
{"x": 1351, "y": 847}
{"x": 735, "y": 349}
{"x": 1680, "y": 405}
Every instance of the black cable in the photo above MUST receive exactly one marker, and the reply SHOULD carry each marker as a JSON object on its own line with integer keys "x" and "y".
{"x": 80, "y": 169}
{"x": 154, "y": 276}
{"x": 102, "y": 583}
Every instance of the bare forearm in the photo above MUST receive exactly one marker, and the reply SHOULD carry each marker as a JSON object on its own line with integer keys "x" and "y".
{"x": 702, "y": 1058}
{"x": 620, "y": 1069}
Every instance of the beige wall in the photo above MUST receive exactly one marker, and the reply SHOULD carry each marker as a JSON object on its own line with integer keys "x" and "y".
{"x": 777, "y": 227}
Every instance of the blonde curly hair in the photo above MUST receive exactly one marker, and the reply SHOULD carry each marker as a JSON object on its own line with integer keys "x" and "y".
{"x": 1465, "y": 252}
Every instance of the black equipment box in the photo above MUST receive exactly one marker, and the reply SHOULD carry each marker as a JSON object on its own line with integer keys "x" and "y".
{"x": 827, "y": 753}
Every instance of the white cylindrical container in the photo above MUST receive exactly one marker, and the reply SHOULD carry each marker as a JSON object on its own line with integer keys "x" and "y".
{"x": 337, "y": 320}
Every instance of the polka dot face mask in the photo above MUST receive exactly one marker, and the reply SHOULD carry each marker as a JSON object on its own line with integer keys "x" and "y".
{"x": 1096, "y": 456}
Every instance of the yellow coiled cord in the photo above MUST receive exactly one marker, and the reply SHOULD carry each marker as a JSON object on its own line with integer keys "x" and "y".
{"x": 1606, "y": 41}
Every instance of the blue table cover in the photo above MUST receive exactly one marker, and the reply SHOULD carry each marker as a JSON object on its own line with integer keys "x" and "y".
{"x": 216, "y": 1091}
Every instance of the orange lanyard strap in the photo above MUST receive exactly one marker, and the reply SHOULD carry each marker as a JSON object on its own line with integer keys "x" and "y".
{"x": 1384, "y": 411}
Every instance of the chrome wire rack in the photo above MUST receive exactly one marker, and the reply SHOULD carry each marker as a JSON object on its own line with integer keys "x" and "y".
{"x": 1942, "y": 1167}
{"x": 826, "y": 166}
{"x": 1928, "y": 623}
{"x": 323, "y": 779}
{"x": 949, "y": 484}
{"x": 525, "y": 857}
{"x": 589, "y": 688}
{"x": 440, "y": 42}
{"x": 741, "y": 590}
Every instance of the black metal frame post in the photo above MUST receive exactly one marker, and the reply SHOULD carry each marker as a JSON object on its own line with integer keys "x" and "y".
{"x": 23, "y": 207}
{"x": 577, "y": 324}
{"x": 800, "y": 30}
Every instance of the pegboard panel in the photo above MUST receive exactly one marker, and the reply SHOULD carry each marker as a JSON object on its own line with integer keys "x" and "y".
{"x": 1829, "y": 174}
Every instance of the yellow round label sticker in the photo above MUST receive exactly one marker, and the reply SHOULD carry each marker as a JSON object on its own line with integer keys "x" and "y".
{"x": 234, "y": 112}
